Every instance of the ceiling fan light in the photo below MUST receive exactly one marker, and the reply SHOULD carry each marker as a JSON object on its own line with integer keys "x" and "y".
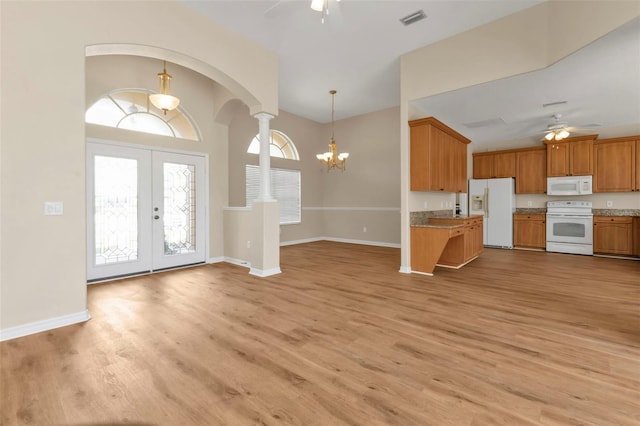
{"x": 317, "y": 5}
{"x": 563, "y": 134}
{"x": 549, "y": 136}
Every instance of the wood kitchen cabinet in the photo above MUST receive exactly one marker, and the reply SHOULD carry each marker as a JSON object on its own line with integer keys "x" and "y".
{"x": 636, "y": 236}
{"x": 637, "y": 185}
{"x": 613, "y": 235}
{"x": 438, "y": 157}
{"x": 570, "y": 156}
{"x": 531, "y": 171}
{"x": 530, "y": 231}
{"x": 498, "y": 164}
{"x": 463, "y": 250}
{"x": 615, "y": 165}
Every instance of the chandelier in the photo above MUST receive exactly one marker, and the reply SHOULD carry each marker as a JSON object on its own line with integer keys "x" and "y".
{"x": 331, "y": 159}
{"x": 321, "y": 6}
{"x": 164, "y": 100}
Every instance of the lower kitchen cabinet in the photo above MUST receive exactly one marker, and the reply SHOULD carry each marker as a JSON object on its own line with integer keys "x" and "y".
{"x": 473, "y": 238}
{"x": 636, "y": 236}
{"x": 529, "y": 231}
{"x": 462, "y": 250}
{"x": 613, "y": 235}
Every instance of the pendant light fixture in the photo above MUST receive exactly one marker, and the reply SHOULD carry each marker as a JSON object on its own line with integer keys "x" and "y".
{"x": 163, "y": 100}
{"x": 331, "y": 159}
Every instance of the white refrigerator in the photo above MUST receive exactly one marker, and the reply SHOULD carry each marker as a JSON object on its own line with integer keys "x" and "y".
{"x": 495, "y": 199}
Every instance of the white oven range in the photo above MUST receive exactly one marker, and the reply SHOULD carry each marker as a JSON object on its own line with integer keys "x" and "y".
{"x": 570, "y": 227}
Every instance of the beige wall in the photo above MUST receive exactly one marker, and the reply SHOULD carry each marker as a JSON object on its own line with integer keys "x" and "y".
{"x": 525, "y": 41}
{"x": 197, "y": 95}
{"x": 43, "y": 133}
{"x": 336, "y": 205}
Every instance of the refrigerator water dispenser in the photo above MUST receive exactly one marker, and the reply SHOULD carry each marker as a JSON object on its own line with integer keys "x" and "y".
{"x": 477, "y": 202}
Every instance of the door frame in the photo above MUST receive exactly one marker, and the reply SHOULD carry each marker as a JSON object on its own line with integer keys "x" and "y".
{"x": 88, "y": 201}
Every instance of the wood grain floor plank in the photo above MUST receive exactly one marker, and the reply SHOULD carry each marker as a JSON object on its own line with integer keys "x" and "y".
{"x": 342, "y": 338}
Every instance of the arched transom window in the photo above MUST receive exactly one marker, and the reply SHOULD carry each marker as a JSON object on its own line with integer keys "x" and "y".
{"x": 279, "y": 146}
{"x": 131, "y": 109}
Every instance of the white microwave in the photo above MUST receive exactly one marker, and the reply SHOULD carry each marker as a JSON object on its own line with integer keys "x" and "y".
{"x": 569, "y": 185}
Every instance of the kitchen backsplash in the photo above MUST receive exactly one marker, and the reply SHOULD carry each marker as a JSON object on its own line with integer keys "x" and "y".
{"x": 618, "y": 200}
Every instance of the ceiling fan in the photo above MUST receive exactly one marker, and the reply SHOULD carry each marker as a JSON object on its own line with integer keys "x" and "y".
{"x": 559, "y": 130}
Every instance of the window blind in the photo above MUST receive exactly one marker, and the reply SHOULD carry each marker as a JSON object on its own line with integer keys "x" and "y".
{"x": 285, "y": 187}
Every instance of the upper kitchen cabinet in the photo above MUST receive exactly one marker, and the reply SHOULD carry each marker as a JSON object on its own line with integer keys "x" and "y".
{"x": 438, "y": 157}
{"x": 616, "y": 165}
{"x": 531, "y": 170}
{"x": 499, "y": 164}
{"x": 571, "y": 156}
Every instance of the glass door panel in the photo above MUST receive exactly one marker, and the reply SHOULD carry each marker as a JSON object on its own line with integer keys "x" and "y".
{"x": 179, "y": 207}
{"x": 118, "y": 194}
{"x": 146, "y": 210}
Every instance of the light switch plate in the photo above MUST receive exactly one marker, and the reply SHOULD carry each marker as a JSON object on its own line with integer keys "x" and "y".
{"x": 53, "y": 208}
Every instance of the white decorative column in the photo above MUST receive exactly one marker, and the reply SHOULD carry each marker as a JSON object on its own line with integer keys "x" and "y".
{"x": 264, "y": 253}
{"x": 265, "y": 156}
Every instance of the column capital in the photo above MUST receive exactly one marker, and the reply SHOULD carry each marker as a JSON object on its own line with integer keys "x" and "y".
{"x": 263, "y": 116}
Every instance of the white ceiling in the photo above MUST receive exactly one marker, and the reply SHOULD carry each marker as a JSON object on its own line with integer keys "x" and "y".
{"x": 356, "y": 52}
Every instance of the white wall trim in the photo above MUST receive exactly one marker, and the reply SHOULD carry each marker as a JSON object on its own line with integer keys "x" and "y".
{"x": 264, "y": 273}
{"x": 43, "y": 325}
{"x": 340, "y": 240}
{"x": 354, "y": 209}
{"x": 405, "y": 270}
{"x": 303, "y": 241}
{"x": 363, "y": 242}
{"x": 217, "y": 259}
{"x": 238, "y": 262}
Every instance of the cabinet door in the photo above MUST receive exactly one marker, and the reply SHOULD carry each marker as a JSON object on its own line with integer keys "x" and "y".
{"x": 614, "y": 169}
{"x": 581, "y": 158}
{"x": 460, "y": 166}
{"x": 420, "y": 147}
{"x": 439, "y": 164}
{"x": 504, "y": 165}
{"x": 529, "y": 231}
{"x": 636, "y": 236}
{"x": 482, "y": 166}
{"x": 558, "y": 159}
{"x": 478, "y": 238}
{"x": 613, "y": 235}
{"x": 637, "y": 188}
{"x": 531, "y": 172}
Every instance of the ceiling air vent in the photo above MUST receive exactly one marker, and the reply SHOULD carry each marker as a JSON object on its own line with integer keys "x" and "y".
{"x": 554, "y": 103}
{"x": 484, "y": 123}
{"x": 413, "y": 18}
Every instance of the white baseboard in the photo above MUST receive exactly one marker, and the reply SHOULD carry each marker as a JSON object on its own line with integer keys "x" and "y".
{"x": 405, "y": 270}
{"x": 340, "y": 240}
{"x": 216, "y": 259}
{"x": 303, "y": 241}
{"x": 363, "y": 242}
{"x": 44, "y": 325}
{"x": 238, "y": 262}
{"x": 264, "y": 273}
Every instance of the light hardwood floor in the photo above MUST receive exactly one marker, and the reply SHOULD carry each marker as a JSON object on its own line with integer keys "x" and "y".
{"x": 341, "y": 337}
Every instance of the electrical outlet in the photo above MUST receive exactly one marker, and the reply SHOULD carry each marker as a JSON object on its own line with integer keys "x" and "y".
{"x": 248, "y": 244}
{"x": 529, "y": 203}
{"x": 425, "y": 204}
{"x": 364, "y": 229}
{"x": 53, "y": 208}
{"x": 609, "y": 203}
{"x": 441, "y": 204}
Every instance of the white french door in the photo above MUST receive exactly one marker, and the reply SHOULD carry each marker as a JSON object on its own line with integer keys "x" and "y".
{"x": 146, "y": 210}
